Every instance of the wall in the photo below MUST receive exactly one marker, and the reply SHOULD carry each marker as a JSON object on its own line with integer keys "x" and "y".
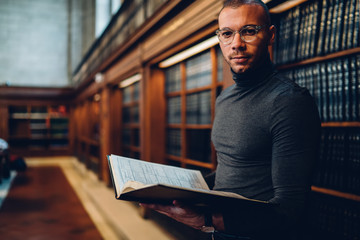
{"x": 34, "y": 43}
{"x": 81, "y": 31}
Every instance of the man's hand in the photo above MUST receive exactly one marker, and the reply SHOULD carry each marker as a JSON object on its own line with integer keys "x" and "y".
{"x": 180, "y": 213}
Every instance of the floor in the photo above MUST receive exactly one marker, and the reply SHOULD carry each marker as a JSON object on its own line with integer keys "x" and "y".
{"x": 114, "y": 219}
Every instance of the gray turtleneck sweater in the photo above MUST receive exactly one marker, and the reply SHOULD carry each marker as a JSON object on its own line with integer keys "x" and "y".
{"x": 266, "y": 133}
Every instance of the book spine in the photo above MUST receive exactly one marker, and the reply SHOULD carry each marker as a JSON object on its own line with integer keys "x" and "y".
{"x": 205, "y": 107}
{"x": 328, "y": 27}
{"x": 358, "y": 85}
{"x": 296, "y": 20}
{"x": 354, "y": 92}
{"x": 356, "y": 37}
{"x": 330, "y": 74}
{"x": 322, "y": 31}
{"x": 308, "y": 36}
{"x": 347, "y": 90}
{"x": 340, "y": 90}
{"x": 325, "y": 92}
{"x": 350, "y": 33}
{"x": 333, "y": 26}
{"x": 314, "y": 27}
{"x": 339, "y": 25}
{"x": 317, "y": 88}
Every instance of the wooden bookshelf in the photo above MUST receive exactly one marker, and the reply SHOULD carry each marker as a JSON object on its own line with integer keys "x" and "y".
{"x": 318, "y": 59}
{"x": 335, "y": 193}
{"x": 314, "y": 53}
{"x": 340, "y": 124}
{"x": 130, "y": 128}
{"x": 87, "y": 132}
{"x": 191, "y": 88}
{"x": 39, "y": 129}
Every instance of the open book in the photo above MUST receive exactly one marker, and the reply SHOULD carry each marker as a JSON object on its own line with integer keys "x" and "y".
{"x": 141, "y": 181}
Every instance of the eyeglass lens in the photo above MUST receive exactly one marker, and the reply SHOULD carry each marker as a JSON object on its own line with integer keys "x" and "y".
{"x": 247, "y": 34}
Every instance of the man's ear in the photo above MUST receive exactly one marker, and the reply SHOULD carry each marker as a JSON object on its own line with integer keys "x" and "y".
{"x": 272, "y": 33}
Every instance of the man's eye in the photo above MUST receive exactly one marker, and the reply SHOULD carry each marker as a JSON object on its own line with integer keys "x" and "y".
{"x": 249, "y": 32}
{"x": 226, "y": 34}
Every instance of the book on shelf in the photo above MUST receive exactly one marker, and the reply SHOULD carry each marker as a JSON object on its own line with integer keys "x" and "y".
{"x": 141, "y": 181}
{"x": 173, "y": 142}
{"x": 333, "y": 217}
{"x": 339, "y": 160}
{"x": 316, "y": 28}
{"x": 334, "y": 85}
{"x": 174, "y": 110}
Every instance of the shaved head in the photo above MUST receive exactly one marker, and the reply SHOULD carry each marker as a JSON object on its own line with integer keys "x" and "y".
{"x": 238, "y": 3}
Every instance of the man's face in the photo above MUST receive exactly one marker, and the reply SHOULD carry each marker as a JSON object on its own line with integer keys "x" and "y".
{"x": 242, "y": 56}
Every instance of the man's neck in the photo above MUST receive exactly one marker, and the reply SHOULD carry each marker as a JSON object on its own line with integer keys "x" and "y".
{"x": 253, "y": 76}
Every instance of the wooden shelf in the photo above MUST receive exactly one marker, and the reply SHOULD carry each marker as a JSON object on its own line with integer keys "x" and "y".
{"x": 132, "y": 147}
{"x": 190, "y": 162}
{"x": 174, "y": 158}
{"x": 89, "y": 141}
{"x": 287, "y": 5}
{"x": 198, "y": 126}
{"x": 198, "y": 163}
{"x": 321, "y": 58}
{"x": 335, "y": 193}
{"x": 340, "y": 124}
{"x": 19, "y": 137}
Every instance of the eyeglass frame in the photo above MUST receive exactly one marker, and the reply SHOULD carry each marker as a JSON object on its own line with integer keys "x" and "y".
{"x": 257, "y": 29}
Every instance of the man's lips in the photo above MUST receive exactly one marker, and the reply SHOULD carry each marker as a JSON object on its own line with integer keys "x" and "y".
{"x": 240, "y": 59}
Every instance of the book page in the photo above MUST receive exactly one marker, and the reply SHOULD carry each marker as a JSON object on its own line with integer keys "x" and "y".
{"x": 127, "y": 169}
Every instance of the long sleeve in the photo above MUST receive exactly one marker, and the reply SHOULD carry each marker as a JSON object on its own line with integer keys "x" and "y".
{"x": 295, "y": 133}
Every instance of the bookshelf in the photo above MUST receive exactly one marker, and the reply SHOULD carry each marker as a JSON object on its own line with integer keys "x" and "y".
{"x": 318, "y": 46}
{"x": 191, "y": 87}
{"x": 87, "y": 132}
{"x": 38, "y": 129}
{"x": 130, "y": 124}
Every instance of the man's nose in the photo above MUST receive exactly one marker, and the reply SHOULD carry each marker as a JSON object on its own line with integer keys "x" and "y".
{"x": 237, "y": 42}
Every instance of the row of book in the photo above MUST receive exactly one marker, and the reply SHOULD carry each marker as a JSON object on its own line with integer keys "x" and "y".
{"x": 198, "y": 108}
{"x": 174, "y": 110}
{"x": 173, "y": 142}
{"x": 173, "y": 79}
{"x": 198, "y": 70}
{"x": 333, "y": 218}
{"x": 335, "y": 85}
{"x": 126, "y": 136}
{"x": 131, "y": 137}
{"x": 198, "y": 146}
{"x": 339, "y": 160}
{"x": 126, "y": 98}
{"x": 198, "y": 73}
{"x": 130, "y": 114}
{"x": 317, "y": 28}
{"x": 131, "y": 93}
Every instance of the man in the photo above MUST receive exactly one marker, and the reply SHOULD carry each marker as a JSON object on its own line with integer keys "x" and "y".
{"x": 266, "y": 133}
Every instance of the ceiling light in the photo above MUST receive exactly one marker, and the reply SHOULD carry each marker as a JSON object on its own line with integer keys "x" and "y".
{"x": 189, "y": 52}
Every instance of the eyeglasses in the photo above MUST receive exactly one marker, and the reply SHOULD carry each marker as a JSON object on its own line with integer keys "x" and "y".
{"x": 247, "y": 33}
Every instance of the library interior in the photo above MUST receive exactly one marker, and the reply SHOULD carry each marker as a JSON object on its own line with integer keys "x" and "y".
{"x": 83, "y": 79}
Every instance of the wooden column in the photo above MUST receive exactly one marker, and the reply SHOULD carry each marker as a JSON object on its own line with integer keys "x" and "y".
{"x": 4, "y": 120}
{"x": 104, "y": 134}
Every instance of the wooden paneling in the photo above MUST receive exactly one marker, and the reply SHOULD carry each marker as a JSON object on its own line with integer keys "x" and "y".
{"x": 195, "y": 17}
{"x": 154, "y": 107}
{"x": 105, "y": 134}
{"x": 4, "y": 116}
{"x": 127, "y": 63}
{"x": 13, "y": 95}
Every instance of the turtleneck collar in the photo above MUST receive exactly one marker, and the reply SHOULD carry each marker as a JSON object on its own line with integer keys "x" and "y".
{"x": 253, "y": 77}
